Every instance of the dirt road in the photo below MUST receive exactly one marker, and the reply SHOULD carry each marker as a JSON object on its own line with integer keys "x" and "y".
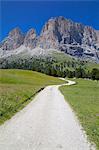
{"x": 47, "y": 123}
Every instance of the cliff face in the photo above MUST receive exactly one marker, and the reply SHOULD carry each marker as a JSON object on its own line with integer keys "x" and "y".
{"x": 72, "y": 38}
{"x": 61, "y": 31}
{"x": 14, "y": 40}
{"x": 30, "y": 39}
{"x": 58, "y": 33}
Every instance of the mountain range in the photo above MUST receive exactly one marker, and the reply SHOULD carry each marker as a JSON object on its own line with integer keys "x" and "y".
{"x": 59, "y": 34}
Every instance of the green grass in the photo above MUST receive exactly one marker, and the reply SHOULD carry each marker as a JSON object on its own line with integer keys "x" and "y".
{"x": 61, "y": 56}
{"x": 90, "y": 66}
{"x": 84, "y": 99}
{"x": 17, "y": 87}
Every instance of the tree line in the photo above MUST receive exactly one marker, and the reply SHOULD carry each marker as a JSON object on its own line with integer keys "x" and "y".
{"x": 51, "y": 67}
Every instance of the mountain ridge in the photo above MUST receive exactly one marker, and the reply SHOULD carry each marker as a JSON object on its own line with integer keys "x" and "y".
{"x": 58, "y": 33}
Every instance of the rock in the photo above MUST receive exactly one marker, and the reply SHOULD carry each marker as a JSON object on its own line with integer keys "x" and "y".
{"x": 14, "y": 40}
{"x": 63, "y": 31}
{"x": 89, "y": 36}
{"x": 58, "y": 33}
{"x": 30, "y": 39}
{"x": 68, "y": 36}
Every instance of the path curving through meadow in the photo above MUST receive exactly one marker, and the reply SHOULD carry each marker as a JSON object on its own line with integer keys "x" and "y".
{"x": 46, "y": 123}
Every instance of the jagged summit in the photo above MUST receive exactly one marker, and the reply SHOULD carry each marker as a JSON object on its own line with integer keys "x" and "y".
{"x": 15, "y": 31}
{"x": 14, "y": 40}
{"x": 30, "y": 39}
{"x": 58, "y": 33}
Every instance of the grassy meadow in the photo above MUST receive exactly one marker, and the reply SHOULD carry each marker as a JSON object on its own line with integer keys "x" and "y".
{"x": 17, "y": 87}
{"x": 84, "y": 99}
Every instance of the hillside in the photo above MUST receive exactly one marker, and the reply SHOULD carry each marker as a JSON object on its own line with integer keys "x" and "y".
{"x": 51, "y": 63}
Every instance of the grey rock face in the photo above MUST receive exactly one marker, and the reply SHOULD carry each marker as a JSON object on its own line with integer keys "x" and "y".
{"x": 58, "y": 33}
{"x": 30, "y": 39}
{"x": 70, "y": 37}
{"x": 14, "y": 40}
{"x": 89, "y": 36}
{"x": 62, "y": 31}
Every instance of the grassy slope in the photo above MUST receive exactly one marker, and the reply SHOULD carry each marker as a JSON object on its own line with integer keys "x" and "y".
{"x": 18, "y": 85}
{"x": 84, "y": 99}
{"x": 90, "y": 66}
{"x": 61, "y": 57}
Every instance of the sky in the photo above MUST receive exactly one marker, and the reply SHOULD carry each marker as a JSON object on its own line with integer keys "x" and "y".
{"x": 27, "y": 14}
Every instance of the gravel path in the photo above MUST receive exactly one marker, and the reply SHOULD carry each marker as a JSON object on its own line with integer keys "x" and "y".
{"x": 47, "y": 123}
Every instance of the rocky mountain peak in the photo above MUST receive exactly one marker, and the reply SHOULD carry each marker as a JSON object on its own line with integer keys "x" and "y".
{"x": 72, "y": 38}
{"x": 15, "y": 32}
{"x": 14, "y": 40}
{"x": 30, "y": 38}
{"x": 58, "y": 33}
{"x": 59, "y": 30}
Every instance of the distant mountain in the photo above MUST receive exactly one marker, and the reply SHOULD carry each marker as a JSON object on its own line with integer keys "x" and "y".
{"x": 58, "y": 33}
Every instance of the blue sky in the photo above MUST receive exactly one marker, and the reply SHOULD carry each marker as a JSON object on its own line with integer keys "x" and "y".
{"x": 27, "y": 14}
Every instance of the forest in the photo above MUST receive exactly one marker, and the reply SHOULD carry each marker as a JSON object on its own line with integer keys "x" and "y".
{"x": 51, "y": 66}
